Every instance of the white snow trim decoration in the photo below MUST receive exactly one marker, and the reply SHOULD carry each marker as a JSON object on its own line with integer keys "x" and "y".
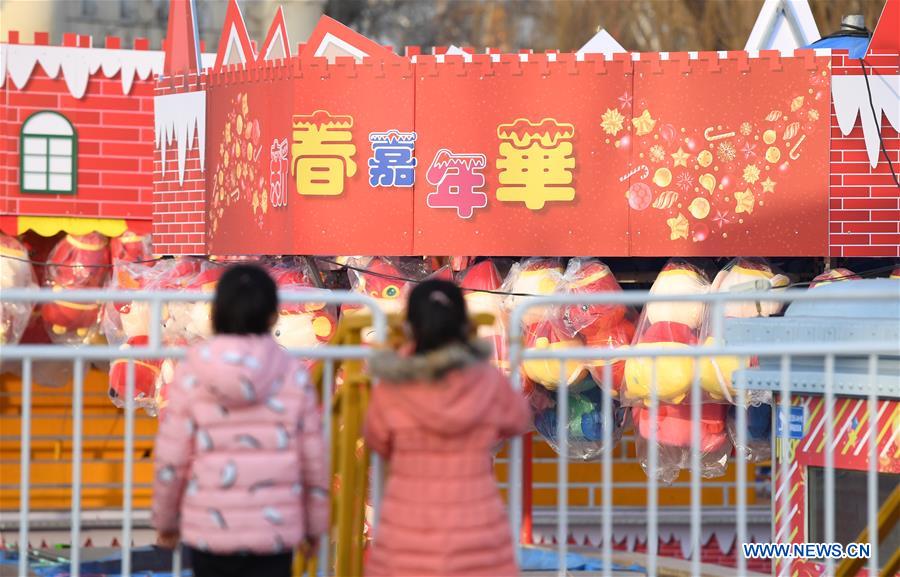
{"x": 77, "y": 64}
{"x": 601, "y": 43}
{"x": 851, "y": 100}
{"x": 176, "y": 117}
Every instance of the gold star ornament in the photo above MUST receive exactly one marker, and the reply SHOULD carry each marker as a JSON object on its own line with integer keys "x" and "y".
{"x": 678, "y": 227}
{"x": 768, "y": 185}
{"x": 680, "y": 157}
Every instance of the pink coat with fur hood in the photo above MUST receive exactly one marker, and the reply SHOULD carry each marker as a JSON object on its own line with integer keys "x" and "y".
{"x": 436, "y": 419}
{"x": 239, "y": 463}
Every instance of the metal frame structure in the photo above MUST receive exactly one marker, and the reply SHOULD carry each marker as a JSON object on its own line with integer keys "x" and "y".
{"x": 518, "y": 354}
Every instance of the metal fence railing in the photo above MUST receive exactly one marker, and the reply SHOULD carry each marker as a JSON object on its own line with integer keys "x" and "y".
{"x": 783, "y": 353}
{"x": 155, "y": 349}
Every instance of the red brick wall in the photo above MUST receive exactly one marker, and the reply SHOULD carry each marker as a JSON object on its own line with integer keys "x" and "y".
{"x": 115, "y": 142}
{"x": 179, "y": 209}
{"x": 865, "y": 201}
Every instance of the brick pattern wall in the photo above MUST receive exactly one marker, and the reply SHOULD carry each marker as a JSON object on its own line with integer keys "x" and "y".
{"x": 179, "y": 209}
{"x": 865, "y": 201}
{"x": 115, "y": 141}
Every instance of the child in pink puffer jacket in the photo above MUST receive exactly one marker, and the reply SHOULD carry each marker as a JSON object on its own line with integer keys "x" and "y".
{"x": 240, "y": 472}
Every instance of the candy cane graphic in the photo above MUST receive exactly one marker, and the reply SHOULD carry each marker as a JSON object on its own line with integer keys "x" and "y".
{"x": 708, "y": 135}
{"x": 793, "y": 153}
{"x": 645, "y": 172}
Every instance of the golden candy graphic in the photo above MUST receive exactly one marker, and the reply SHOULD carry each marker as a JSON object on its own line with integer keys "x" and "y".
{"x": 791, "y": 131}
{"x": 666, "y": 200}
{"x": 769, "y": 136}
{"x": 705, "y": 158}
{"x": 711, "y": 137}
{"x": 708, "y": 182}
{"x": 662, "y": 178}
{"x": 699, "y": 208}
{"x": 744, "y": 201}
{"x": 773, "y": 116}
{"x": 678, "y": 227}
{"x": 796, "y": 104}
{"x": 793, "y": 153}
{"x": 773, "y": 154}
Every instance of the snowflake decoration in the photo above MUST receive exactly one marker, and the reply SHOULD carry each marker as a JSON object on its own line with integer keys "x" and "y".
{"x": 625, "y": 100}
{"x": 749, "y": 151}
{"x": 746, "y": 128}
{"x": 657, "y": 153}
{"x": 613, "y": 121}
{"x": 726, "y": 152}
{"x": 751, "y": 173}
{"x": 684, "y": 181}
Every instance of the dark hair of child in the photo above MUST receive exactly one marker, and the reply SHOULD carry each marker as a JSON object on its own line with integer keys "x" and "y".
{"x": 246, "y": 301}
{"x": 437, "y": 315}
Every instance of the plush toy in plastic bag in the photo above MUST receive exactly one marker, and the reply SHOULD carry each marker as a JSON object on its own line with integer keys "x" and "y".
{"x": 601, "y": 326}
{"x": 543, "y": 327}
{"x": 76, "y": 262}
{"x": 585, "y": 420}
{"x": 758, "y": 448}
{"x": 301, "y": 325}
{"x": 146, "y": 377}
{"x": 834, "y": 275}
{"x": 740, "y": 275}
{"x": 130, "y": 247}
{"x": 474, "y": 281}
{"x": 673, "y": 440}
{"x": 15, "y": 272}
{"x": 385, "y": 280}
{"x": 673, "y": 325}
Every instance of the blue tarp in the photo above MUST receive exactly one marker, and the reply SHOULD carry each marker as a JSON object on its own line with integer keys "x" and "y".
{"x": 533, "y": 559}
{"x": 857, "y": 45}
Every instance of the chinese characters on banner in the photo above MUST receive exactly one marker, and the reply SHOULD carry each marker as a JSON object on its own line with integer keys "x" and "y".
{"x": 600, "y": 162}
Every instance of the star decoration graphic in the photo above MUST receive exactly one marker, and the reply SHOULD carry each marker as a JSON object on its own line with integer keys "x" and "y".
{"x": 625, "y": 100}
{"x": 680, "y": 157}
{"x": 768, "y": 185}
{"x": 612, "y": 121}
{"x": 721, "y": 218}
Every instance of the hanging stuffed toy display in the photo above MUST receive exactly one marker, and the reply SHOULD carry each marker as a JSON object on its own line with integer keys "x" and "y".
{"x": 146, "y": 376}
{"x": 601, "y": 326}
{"x": 385, "y": 280}
{"x": 474, "y": 281}
{"x": 301, "y": 325}
{"x": 673, "y": 440}
{"x": 15, "y": 272}
{"x": 673, "y": 325}
{"x": 585, "y": 423}
{"x": 130, "y": 247}
{"x": 542, "y": 327}
{"x": 76, "y": 262}
{"x": 740, "y": 275}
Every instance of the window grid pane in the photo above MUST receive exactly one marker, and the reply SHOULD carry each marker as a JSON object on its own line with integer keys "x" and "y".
{"x": 48, "y": 163}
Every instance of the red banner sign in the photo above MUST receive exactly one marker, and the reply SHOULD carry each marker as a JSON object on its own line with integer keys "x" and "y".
{"x": 548, "y": 155}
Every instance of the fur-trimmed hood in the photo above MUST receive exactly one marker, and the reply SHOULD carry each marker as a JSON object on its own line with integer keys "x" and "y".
{"x": 446, "y": 391}
{"x": 392, "y": 367}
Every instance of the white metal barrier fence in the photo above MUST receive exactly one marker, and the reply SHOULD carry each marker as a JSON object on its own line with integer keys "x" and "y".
{"x": 829, "y": 351}
{"x": 155, "y": 349}
{"x": 785, "y": 352}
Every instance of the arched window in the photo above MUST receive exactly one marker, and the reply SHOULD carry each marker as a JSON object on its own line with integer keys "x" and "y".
{"x": 49, "y": 154}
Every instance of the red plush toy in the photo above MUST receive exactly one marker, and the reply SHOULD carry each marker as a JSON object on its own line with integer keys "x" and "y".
{"x": 474, "y": 280}
{"x": 301, "y": 325}
{"x": 146, "y": 374}
{"x": 130, "y": 247}
{"x": 76, "y": 262}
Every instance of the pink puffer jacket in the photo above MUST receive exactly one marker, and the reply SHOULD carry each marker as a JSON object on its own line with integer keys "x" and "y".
{"x": 239, "y": 453}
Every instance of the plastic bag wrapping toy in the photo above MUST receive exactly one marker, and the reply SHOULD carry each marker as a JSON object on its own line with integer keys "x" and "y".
{"x": 387, "y": 280}
{"x": 76, "y": 262}
{"x": 600, "y": 325}
{"x": 584, "y": 427}
{"x": 474, "y": 281}
{"x": 300, "y": 325}
{"x": 543, "y": 328}
{"x": 127, "y": 324}
{"x": 130, "y": 247}
{"x": 758, "y": 448}
{"x": 15, "y": 272}
{"x": 833, "y": 275}
{"x": 673, "y": 325}
{"x": 673, "y": 440}
{"x": 740, "y": 275}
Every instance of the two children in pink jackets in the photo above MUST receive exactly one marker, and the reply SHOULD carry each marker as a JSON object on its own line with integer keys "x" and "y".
{"x": 240, "y": 469}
